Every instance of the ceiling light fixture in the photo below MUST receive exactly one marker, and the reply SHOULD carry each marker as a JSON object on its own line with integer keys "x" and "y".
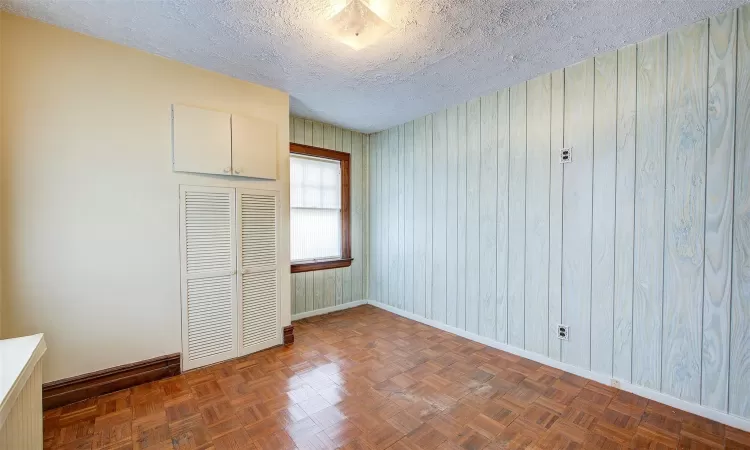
{"x": 357, "y": 25}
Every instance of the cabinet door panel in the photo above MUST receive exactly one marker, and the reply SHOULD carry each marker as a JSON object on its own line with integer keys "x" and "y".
{"x": 254, "y": 144}
{"x": 208, "y": 275}
{"x": 202, "y": 140}
{"x": 257, "y": 229}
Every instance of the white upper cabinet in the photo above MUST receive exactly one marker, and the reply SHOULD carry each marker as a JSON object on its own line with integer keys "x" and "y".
{"x": 254, "y": 143}
{"x": 214, "y": 142}
{"x": 202, "y": 140}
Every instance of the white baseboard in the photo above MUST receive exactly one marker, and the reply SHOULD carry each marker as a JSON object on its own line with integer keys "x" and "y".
{"x": 700, "y": 410}
{"x": 330, "y": 309}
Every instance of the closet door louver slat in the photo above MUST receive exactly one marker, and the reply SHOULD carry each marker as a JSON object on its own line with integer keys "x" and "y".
{"x": 258, "y": 223}
{"x": 209, "y": 267}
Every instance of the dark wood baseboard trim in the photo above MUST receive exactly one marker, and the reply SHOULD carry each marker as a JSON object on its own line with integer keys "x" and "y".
{"x": 289, "y": 335}
{"x": 71, "y": 390}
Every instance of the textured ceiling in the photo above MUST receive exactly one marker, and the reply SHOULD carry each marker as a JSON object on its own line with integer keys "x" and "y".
{"x": 442, "y": 51}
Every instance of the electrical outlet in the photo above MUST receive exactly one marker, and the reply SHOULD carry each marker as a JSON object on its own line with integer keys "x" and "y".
{"x": 566, "y": 155}
{"x": 563, "y": 332}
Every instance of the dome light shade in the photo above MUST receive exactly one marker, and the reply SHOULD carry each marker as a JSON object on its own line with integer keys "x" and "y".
{"x": 358, "y": 26}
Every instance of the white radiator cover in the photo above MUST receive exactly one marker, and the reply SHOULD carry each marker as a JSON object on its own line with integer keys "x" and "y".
{"x": 21, "y": 413}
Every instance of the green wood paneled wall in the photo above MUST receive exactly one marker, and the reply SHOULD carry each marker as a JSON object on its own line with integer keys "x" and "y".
{"x": 312, "y": 291}
{"x": 641, "y": 244}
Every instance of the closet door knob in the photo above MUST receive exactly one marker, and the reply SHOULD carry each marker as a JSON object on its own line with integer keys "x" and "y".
{"x": 237, "y": 171}
{"x": 228, "y": 170}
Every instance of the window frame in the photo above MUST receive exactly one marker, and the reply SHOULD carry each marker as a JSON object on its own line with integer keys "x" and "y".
{"x": 346, "y": 249}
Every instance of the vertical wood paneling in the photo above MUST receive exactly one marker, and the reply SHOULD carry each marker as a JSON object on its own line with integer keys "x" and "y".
{"x": 354, "y": 141}
{"x": 401, "y": 217}
{"x": 390, "y": 209}
{"x": 420, "y": 219}
{"x": 501, "y": 228}
{"x": 488, "y": 217}
{"x": 397, "y": 169}
{"x": 451, "y": 225}
{"x": 473, "y": 158}
{"x": 329, "y": 136}
{"x": 624, "y": 212}
{"x": 299, "y": 130}
{"x": 327, "y": 288}
{"x": 382, "y": 224}
{"x": 555, "y": 211}
{"x": 307, "y": 138}
{"x": 385, "y": 209}
{"x": 382, "y": 229}
{"x": 375, "y": 220}
{"x": 393, "y": 228}
{"x": 577, "y": 213}
{"x": 373, "y": 237}
{"x": 517, "y": 216}
{"x": 648, "y": 261}
{"x": 685, "y": 211}
{"x": 344, "y": 276}
{"x": 429, "y": 186}
{"x": 537, "y": 215}
{"x": 367, "y": 185}
{"x": 331, "y": 289}
{"x": 409, "y": 231}
{"x": 629, "y": 244}
{"x": 439, "y": 217}
{"x": 717, "y": 289}
{"x": 739, "y": 376}
{"x": 603, "y": 228}
{"x": 462, "y": 216}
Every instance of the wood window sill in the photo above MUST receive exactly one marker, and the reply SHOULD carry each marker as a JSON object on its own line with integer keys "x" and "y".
{"x": 321, "y": 265}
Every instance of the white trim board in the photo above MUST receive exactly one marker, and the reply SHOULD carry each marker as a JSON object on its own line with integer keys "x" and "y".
{"x": 700, "y": 410}
{"x": 330, "y": 309}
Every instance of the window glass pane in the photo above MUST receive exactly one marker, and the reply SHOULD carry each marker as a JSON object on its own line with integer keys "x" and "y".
{"x": 315, "y": 183}
{"x": 330, "y": 196}
{"x": 316, "y": 208}
{"x": 315, "y": 233}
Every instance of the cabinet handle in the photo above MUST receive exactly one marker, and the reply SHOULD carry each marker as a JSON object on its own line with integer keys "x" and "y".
{"x": 237, "y": 171}
{"x": 228, "y": 170}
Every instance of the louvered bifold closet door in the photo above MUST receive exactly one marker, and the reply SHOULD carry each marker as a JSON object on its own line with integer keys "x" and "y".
{"x": 258, "y": 224}
{"x": 209, "y": 269}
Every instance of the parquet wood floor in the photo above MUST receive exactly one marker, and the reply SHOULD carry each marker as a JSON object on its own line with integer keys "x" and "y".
{"x": 367, "y": 379}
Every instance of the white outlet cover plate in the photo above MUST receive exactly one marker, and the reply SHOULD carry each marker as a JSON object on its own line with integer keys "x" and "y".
{"x": 569, "y": 151}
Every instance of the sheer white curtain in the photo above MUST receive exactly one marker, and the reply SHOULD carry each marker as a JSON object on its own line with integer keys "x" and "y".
{"x": 315, "y": 208}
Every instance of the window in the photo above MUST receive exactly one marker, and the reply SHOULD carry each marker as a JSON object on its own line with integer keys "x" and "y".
{"x": 319, "y": 198}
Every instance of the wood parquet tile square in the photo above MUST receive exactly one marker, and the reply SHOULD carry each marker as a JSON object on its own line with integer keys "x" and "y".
{"x": 366, "y": 379}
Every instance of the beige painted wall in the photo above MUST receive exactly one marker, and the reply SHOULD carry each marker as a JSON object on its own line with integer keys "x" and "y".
{"x": 2, "y": 173}
{"x": 91, "y": 244}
